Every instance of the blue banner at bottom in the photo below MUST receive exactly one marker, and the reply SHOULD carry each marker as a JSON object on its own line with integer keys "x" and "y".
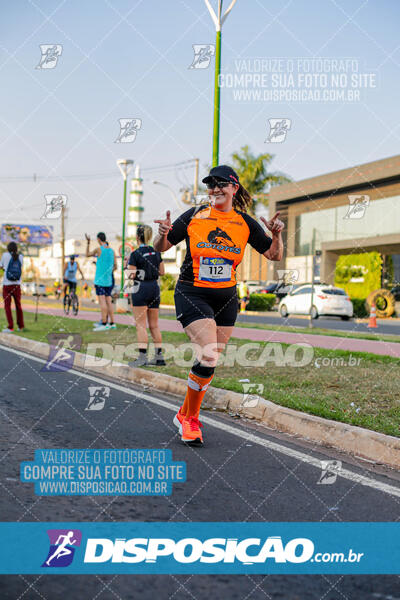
{"x": 220, "y": 548}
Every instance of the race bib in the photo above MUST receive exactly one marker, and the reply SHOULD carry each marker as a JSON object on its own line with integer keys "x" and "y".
{"x": 215, "y": 269}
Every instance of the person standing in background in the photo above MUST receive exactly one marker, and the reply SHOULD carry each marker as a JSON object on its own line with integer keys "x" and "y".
{"x": 112, "y": 274}
{"x": 244, "y": 295}
{"x": 11, "y": 263}
{"x": 145, "y": 266}
{"x": 105, "y": 265}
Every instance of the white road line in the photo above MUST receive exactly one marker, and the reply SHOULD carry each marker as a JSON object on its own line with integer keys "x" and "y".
{"x": 251, "y": 437}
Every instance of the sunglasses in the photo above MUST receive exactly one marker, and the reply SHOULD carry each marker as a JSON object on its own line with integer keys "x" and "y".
{"x": 219, "y": 184}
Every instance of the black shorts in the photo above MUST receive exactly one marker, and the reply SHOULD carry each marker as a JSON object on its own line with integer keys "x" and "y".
{"x": 103, "y": 290}
{"x": 147, "y": 294}
{"x": 193, "y": 303}
{"x": 71, "y": 285}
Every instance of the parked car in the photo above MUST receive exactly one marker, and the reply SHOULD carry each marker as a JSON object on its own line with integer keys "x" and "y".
{"x": 278, "y": 288}
{"x": 33, "y": 289}
{"x": 254, "y": 287}
{"x": 396, "y": 292}
{"x": 327, "y": 300}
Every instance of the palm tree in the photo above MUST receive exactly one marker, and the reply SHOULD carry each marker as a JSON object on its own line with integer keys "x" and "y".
{"x": 254, "y": 175}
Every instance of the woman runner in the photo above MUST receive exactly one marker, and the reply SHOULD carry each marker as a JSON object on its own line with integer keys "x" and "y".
{"x": 205, "y": 295}
{"x": 145, "y": 265}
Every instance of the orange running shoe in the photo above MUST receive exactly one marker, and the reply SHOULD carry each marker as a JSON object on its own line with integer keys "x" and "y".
{"x": 191, "y": 433}
{"x": 178, "y": 418}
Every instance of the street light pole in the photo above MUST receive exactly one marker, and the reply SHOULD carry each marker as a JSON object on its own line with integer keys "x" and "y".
{"x": 121, "y": 292}
{"x": 196, "y": 177}
{"x": 218, "y": 22}
{"x": 62, "y": 241}
{"x": 124, "y": 165}
{"x": 217, "y": 100}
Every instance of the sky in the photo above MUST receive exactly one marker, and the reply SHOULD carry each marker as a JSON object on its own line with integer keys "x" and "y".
{"x": 131, "y": 59}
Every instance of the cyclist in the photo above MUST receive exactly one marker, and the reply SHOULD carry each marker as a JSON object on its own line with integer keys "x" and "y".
{"x": 105, "y": 265}
{"x": 145, "y": 266}
{"x": 70, "y": 269}
{"x": 205, "y": 295}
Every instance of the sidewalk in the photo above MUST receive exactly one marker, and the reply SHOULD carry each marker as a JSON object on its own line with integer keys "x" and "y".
{"x": 258, "y": 335}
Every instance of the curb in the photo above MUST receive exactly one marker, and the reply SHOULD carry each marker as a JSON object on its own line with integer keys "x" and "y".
{"x": 363, "y": 443}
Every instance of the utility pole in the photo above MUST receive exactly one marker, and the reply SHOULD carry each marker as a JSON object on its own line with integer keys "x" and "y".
{"x": 62, "y": 241}
{"x": 218, "y": 22}
{"x": 196, "y": 177}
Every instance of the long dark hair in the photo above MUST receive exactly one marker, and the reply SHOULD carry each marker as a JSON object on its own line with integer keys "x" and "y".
{"x": 242, "y": 199}
{"x": 13, "y": 250}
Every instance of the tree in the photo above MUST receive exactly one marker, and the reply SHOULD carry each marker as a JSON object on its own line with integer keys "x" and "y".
{"x": 254, "y": 175}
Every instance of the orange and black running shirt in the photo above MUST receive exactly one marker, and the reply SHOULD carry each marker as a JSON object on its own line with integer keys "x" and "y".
{"x": 215, "y": 243}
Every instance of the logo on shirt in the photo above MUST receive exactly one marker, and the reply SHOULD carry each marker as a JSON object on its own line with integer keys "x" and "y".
{"x": 218, "y": 236}
{"x": 220, "y": 240}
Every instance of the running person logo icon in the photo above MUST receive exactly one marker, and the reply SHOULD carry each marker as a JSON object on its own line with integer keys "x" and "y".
{"x": 128, "y": 130}
{"x": 330, "y": 471}
{"x": 202, "y": 56}
{"x": 61, "y": 353}
{"x": 50, "y": 55}
{"x": 63, "y": 543}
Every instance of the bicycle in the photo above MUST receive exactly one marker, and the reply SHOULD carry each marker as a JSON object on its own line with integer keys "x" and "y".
{"x": 71, "y": 301}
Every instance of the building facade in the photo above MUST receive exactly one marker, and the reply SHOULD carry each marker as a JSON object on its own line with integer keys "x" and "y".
{"x": 349, "y": 211}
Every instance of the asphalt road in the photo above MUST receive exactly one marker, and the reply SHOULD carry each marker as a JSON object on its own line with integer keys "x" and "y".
{"x": 243, "y": 473}
{"x": 335, "y": 323}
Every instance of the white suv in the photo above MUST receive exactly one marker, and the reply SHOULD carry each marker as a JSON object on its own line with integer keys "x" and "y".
{"x": 327, "y": 300}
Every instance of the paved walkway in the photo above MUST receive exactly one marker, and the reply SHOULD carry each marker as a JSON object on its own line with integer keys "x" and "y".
{"x": 259, "y": 335}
